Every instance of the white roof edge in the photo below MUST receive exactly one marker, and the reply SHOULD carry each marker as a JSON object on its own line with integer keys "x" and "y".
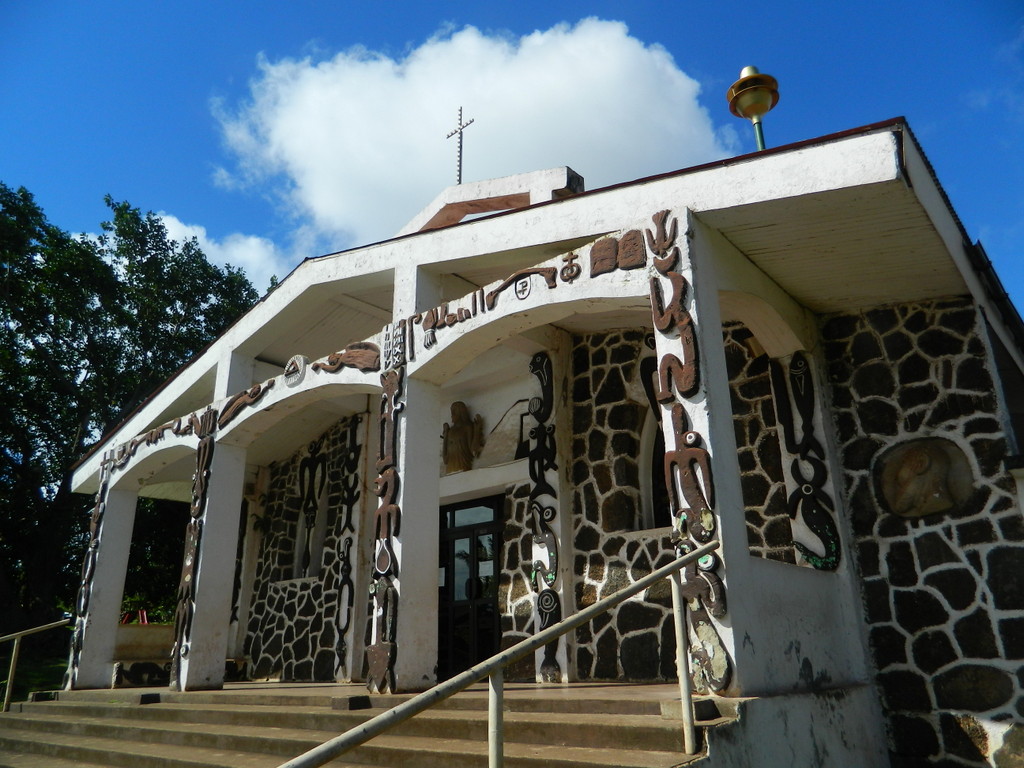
{"x": 946, "y": 222}
{"x": 518, "y": 191}
{"x": 875, "y": 153}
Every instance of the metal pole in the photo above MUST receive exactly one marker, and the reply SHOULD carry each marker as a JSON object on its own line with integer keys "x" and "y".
{"x": 683, "y": 663}
{"x": 458, "y": 174}
{"x": 758, "y": 134}
{"x": 16, "y": 637}
{"x": 495, "y": 719}
{"x": 10, "y": 674}
{"x": 458, "y": 160}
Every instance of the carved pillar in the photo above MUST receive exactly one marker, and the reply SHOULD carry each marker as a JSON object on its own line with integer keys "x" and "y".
{"x": 102, "y": 589}
{"x": 417, "y": 544}
{"x": 204, "y": 594}
{"x": 402, "y": 654}
{"x": 701, "y": 473}
{"x": 550, "y": 573}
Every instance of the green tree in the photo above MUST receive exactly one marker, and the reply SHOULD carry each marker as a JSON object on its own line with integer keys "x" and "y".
{"x": 90, "y": 327}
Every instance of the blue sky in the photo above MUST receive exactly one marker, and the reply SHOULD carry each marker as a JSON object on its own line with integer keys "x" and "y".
{"x": 276, "y": 131}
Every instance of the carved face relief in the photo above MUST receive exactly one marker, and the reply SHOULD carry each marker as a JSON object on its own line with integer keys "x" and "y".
{"x": 295, "y": 370}
{"x": 921, "y": 477}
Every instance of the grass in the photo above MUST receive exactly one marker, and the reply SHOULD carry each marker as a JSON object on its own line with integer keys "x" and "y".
{"x": 37, "y": 670}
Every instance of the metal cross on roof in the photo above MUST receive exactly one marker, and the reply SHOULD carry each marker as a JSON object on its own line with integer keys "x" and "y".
{"x": 462, "y": 126}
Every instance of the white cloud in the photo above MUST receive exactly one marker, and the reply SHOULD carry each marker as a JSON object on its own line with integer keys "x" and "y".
{"x": 355, "y": 144}
{"x": 257, "y": 256}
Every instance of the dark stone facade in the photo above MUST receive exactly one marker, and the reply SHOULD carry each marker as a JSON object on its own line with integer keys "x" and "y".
{"x": 611, "y": 547}
{"x": 635, "y": 641}
{"x": 297, "y": 627}
{"x": 515, "y": 593}
{"x": 941, "y": 592}
{"x": 769, "y": 533}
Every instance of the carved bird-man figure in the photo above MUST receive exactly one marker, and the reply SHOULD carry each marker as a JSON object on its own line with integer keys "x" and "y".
{"x": 462, "y": 440}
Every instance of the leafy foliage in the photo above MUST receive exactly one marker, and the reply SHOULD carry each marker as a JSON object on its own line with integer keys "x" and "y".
{"x": 154, "y": 565}
{"x": 89, "y": 327}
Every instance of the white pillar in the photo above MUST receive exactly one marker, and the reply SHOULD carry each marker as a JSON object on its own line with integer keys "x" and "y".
{"x": 416, "y": 546}
{"x": 692, "y": 386}
{"x": 711, "y": 413}
{"x": 102, "y": 617}
{"x": 256, "y": 496}
{"x": 203, "y": 666}
{"x": 416, "y": 446}
{"x": 234, "y": 374}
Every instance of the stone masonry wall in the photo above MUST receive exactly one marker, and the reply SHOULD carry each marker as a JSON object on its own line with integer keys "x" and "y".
{"x": 636, "y": 641}
{"x": 769, "y": 533}
{"x": 942, "y": 592}
{"x": 297, "y": 626}
{"x": 515, "y": 594}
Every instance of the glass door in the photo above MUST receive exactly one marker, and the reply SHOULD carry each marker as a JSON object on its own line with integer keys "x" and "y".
{"x": 468, "y": 627}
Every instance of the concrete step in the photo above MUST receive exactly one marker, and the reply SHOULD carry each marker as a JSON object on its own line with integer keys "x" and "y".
{"x": 42, "y": 761}
{"x": 560, "y": 699}
{"x": 613, "y": 731}
{"x": 246, "y": 728}
{"x": 81, "y": 751}
{"x": 170, "y": 748}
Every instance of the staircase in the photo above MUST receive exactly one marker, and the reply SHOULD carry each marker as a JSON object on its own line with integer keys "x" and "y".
{"x": 263, "y": 725}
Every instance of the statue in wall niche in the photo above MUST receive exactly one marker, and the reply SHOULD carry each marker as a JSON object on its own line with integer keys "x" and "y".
{"x": 462, "y": 440}
{"x": 923, "y": 476}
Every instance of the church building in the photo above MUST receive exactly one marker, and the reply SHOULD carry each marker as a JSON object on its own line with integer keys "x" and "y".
{"x": 416, "y": 453}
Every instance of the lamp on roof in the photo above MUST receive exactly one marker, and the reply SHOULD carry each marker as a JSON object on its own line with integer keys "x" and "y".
{"x": 752, "y": 97}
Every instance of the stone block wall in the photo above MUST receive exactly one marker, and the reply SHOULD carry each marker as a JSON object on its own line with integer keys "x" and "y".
{"x": 943, "y": 593}
{"x": 635, "y": 641}
{"x": 610, "y": 406}
{"x": 769, "y": 533}
{"x": 515, "y": 593}
{"x": 298, "y": 627}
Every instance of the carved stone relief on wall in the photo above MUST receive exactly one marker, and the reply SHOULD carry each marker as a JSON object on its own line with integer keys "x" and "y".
{"x": 796, "y": 402}
{"x": 302, "y": 628}
{"x": 538, "y": 445}
{"x": 312, "y": 482}
{"x": 624, "y": 252}
{"x": 912, "y": 386}
{"x": 519, "y": 285}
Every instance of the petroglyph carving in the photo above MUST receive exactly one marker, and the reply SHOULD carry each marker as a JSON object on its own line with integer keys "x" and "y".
{"x": 808, "y": 500}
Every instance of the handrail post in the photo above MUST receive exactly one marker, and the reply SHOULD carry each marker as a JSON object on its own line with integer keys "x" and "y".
{"x": 683, "y": 663}
{"x": 16, "y": 637}
{"x": 495, "y": 718}
{"x": 10, "y": 674}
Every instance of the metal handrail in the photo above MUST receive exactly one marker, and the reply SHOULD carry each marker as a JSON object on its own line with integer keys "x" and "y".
{"x": 16, "y": 637}
{"x": 493, "y": 669}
